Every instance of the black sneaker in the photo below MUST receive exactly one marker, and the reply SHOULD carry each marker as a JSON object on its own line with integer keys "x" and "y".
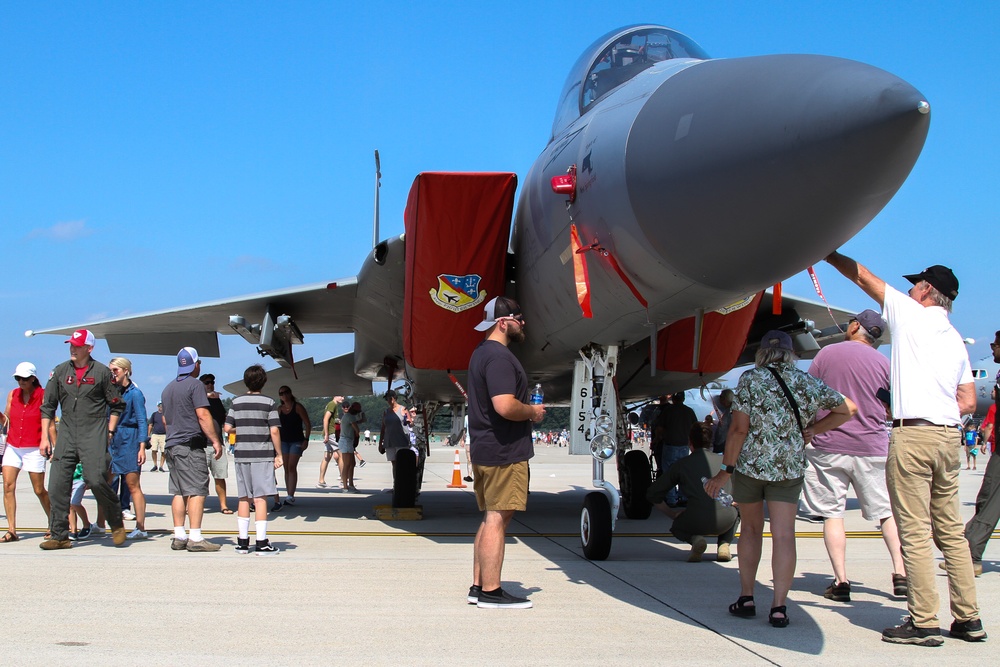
{"x": 502, "y": 600}
{"x": 242, "y": 545}
{"x": 812, "y": 518}
{"x": 474, "y": 592}
{"x": 838, "y": 592}
{"x": 970, "y": 631}
{"x": 263, "y": 547}
{"x": 276, "y": 506}
{"x": 899, "y": 585}
{"x": 84, "y": 532}
{"x": 907, "y": 633}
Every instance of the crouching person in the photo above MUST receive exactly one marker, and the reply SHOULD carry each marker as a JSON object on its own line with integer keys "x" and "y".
{"x": 703, "y": 515}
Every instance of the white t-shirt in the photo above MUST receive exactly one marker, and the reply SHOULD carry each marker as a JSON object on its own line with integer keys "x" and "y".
{"x": 929, "y": 360}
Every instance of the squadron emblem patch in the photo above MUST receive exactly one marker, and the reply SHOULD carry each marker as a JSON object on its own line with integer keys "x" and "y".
{"x": 458, "y": 293}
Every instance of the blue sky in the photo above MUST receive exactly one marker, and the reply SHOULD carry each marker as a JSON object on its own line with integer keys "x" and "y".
{"x": 162, "y": 154}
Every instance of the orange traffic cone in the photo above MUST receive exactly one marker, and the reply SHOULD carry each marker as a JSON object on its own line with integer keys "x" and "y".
{"x": 456, "y": 475}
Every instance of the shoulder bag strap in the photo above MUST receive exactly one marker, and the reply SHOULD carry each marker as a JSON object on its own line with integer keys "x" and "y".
{"x": 788, "y": 395}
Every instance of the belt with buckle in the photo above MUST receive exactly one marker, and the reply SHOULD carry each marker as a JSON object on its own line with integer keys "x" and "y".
{"x": 912, "y": 422}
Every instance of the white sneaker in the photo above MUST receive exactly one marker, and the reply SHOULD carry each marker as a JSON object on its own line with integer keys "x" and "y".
{"x": 97, "y": 530}
{"x": 351, "y": 489}
{"x": 128, "y": 516}
{"x": 137, "y": 535}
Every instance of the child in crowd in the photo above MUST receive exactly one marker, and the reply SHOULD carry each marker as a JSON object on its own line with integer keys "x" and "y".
{"x": 257, "y": 454}
{"x": 76, "y": 508}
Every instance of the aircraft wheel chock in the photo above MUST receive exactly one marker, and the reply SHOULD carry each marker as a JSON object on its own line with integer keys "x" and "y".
{"x": 595, "y": 526}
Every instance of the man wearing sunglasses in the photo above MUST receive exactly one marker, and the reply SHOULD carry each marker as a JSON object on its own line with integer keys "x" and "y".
{"x": 500, "y": 420}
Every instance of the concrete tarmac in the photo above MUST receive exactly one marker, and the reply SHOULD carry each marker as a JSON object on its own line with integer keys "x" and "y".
{"x": 350, "y": 589}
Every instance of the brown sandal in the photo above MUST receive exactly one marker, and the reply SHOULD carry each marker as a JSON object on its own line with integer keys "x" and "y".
{"x": 9, "y": 537}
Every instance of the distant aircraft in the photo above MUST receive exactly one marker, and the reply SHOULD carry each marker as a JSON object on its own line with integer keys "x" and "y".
{"x": 675, "y": 189}
{"x": 984, "y": 374}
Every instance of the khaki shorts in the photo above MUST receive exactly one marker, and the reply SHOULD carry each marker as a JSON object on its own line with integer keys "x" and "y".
{"x": 500, "y": 488}
{"x": 751, "y": 490}
{"x": 828, "y": 475}
{"x": 157, "y": 442}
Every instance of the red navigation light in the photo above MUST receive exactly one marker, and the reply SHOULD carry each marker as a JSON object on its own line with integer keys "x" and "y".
{"x": 566, "y": 184}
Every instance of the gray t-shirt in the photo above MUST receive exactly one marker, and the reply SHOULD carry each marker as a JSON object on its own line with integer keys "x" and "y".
{"x": 181, "y": 398}
{"x": 253, "y": 416}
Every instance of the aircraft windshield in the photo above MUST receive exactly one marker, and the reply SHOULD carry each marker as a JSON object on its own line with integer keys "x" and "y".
{"x": 614, "y": 59}
{"x": 632, "y": 54}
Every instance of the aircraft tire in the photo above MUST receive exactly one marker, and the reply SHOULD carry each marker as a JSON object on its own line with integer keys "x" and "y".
{"x": 634, "y": 477}
{"x": 404, "y": 482}
{"x": 595, "y": 526}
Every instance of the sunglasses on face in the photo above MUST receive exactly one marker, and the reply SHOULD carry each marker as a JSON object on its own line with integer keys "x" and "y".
{"x": 22, "y": 379}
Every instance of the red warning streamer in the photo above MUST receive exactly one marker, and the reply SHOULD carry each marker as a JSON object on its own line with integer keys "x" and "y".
{"x": 819, "y": 290}
{"x": 580, "y": 273}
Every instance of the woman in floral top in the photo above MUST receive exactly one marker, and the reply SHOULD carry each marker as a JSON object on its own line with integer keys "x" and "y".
{"x": 765, "y": 454}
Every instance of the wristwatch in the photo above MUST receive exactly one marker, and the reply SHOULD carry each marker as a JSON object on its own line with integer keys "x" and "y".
{"x": 727, "y": 468}
{"x": 110, "y": 432}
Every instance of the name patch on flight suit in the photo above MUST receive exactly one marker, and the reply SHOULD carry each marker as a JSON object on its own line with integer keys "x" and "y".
{"x": 86, "y": 380}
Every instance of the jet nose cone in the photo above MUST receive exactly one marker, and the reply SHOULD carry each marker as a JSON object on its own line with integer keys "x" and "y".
{"x": 769, "y": 163}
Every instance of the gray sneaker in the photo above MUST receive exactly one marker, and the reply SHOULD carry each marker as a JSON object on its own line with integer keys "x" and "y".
{"x": 178, "y": 544}
{"x": 202, "y": 546}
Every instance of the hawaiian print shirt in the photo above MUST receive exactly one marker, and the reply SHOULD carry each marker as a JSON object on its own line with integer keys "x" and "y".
{"x": 774, "y": 449}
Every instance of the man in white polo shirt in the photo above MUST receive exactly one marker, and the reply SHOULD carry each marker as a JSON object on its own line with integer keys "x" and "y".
{"x": 931, "y": 387}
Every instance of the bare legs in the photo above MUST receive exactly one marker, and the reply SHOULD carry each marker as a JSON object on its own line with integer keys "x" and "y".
{"x": 138, "y": 499}
{"x": 488, "y": 550}
{"x": 347, "y": 470}
{"x": 323, "y": 465}
{"x": 783, "y": 556}
{"x": 835, "y": 538}
{"x": 291, "y": 473}
{"x": 10, "y": 474}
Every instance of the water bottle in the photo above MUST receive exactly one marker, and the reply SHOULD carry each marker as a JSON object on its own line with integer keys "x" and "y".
{"x": 725, "y": 499}
{"x": 537, "y": 397}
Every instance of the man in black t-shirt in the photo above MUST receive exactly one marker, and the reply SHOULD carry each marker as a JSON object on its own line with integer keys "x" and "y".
{"x": 500, "y": 431}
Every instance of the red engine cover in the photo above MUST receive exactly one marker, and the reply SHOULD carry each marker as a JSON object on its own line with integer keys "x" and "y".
{"x": 457, "y": 232}
{"x": 723, "y": 337}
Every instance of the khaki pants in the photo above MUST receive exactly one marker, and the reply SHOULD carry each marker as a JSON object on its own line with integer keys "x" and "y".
{"x": 922, "y": 475}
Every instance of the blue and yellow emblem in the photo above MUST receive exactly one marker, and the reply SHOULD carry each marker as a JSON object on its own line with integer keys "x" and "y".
{"x": 458, "y": 293}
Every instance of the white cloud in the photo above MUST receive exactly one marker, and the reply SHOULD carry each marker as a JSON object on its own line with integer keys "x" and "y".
{"x": 62, "y": 231}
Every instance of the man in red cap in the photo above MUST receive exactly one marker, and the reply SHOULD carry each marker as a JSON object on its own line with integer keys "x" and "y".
{"x": 931, "y": 387}
{"x": 84, "y": 392}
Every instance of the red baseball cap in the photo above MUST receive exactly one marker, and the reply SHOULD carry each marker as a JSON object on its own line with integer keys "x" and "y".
{"x": 81, "y": 337}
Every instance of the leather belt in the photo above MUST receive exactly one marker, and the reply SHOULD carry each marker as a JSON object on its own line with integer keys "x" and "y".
{"x": 912, "y": 422}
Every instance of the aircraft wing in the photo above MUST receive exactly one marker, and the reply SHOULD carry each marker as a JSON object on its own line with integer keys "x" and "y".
{"x": 331, "y": 377}
{"x": 317, "y": 308}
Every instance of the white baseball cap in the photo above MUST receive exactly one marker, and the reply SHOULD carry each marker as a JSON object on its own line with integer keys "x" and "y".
{"x": 25, "y": 369}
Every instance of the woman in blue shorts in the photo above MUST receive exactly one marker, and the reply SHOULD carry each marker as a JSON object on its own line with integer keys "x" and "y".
{"x": 295, "y": 430}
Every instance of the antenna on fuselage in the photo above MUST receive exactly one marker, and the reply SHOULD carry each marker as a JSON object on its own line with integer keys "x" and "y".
{"x": 378, "y": 184}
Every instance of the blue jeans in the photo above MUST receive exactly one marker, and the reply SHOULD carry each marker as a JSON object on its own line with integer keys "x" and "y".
{"x": 670, "y": 455}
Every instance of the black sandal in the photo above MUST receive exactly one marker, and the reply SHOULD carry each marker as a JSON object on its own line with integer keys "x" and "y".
{"x": 742, "y": 609}
{"x": 778, "y": 622}
{"x": 9, "y": 537}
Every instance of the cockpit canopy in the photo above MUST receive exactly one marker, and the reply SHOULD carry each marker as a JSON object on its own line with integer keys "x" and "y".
{"x": 614, "y": 59}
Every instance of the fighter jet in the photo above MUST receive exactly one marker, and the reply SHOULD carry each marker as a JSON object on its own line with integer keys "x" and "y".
{"x": 675, "y": 190}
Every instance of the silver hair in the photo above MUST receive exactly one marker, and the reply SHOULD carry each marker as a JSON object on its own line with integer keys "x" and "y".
{"x": 767, "y": 356}
{"x": 938, "y": 298}
{"x": 868, "y": 338}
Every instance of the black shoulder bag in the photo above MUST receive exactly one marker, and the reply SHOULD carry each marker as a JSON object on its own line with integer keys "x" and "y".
{"x": 788, "y": 395}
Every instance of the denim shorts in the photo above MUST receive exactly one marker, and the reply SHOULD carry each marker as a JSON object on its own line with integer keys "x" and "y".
{"x": 291, "y": 448}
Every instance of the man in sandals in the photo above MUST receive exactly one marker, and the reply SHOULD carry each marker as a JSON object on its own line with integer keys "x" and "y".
{"x": 853, "y": 454}
{"x": 932, "y": 388}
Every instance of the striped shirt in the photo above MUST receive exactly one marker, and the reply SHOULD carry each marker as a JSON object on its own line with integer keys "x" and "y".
{"x": 253, "y": 416}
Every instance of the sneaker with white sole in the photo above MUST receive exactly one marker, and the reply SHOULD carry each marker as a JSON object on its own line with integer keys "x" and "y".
{"x": 907, "y": 633}
{"x": 84, "y": 532}
{"x": 128, "y": 515}
{"x": 242, "y": 545}
{"x": 97, "y": 530}
{"x": 474, "y": 592}
{"x": 502, "y": 600}
{"x": 137, "y": 534}
{"x": 265, "y": 548}
{"x": 361, "y": 464}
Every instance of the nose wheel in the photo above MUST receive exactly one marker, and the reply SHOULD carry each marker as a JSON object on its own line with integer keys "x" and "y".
{"x": 595, "y": 526}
